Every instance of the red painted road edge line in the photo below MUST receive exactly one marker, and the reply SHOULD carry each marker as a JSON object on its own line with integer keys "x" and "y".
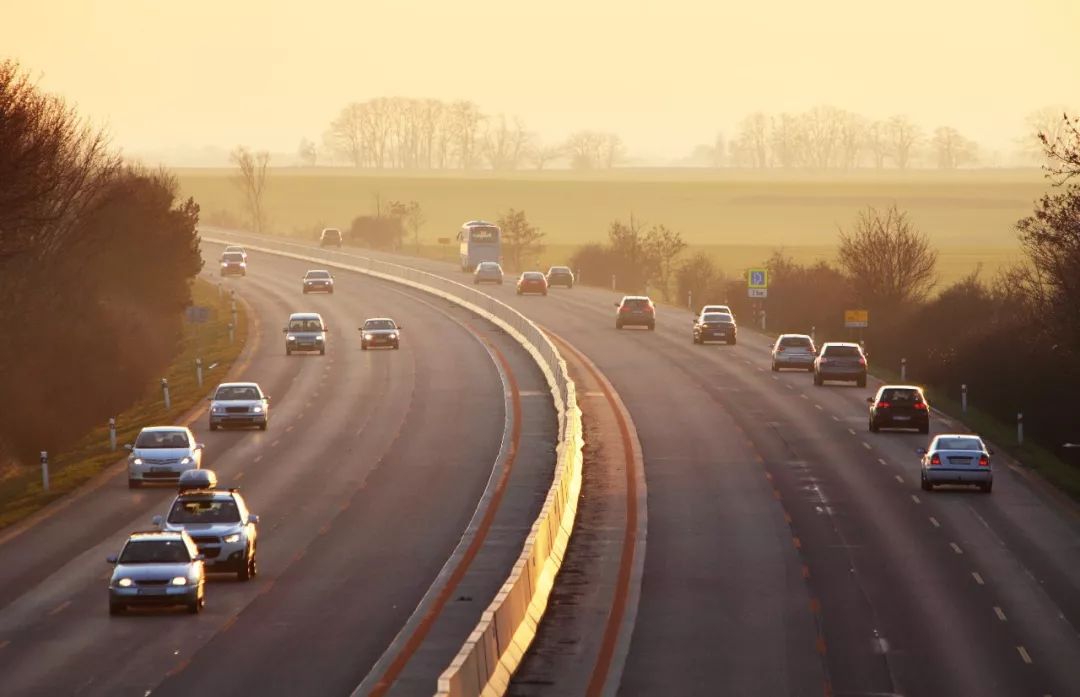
{"x": 424, "y": 626}
{"x": 626, "y": 563}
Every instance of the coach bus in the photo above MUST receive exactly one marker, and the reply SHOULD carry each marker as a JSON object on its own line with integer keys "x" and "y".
{"x": 480, "y": 241}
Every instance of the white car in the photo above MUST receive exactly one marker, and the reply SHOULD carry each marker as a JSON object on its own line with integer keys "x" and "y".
{"x": 235, "y": 249}
{"x": 162, "y": 454}
{"x": 793, "y": 351}
{"x": 239, "y": 404}
{"x": 716, "y": 309}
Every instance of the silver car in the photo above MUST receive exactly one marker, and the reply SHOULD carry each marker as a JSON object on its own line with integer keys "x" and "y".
{"x": 793, "y": 351}
{"x": 306, "y": 331}
{"x": 957, "y": 459}
{"x": 239, "y": 404}
{"x": 157, "y": 568}
{"x": 488, "y": 272}
{"x": 318, "y": 281}
{"x": 220, "y": 525}
{"x": 380, "y": 331}
{"x": 162, "y": 454}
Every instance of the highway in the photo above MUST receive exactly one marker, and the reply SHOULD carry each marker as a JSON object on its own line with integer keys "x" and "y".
{"x": 371, "y": 469}
{"x": 790, "y": 551}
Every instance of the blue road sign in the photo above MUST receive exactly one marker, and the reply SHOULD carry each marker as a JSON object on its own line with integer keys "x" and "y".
{"x": 757, "y": 278}
{"x": 197, "y": 314}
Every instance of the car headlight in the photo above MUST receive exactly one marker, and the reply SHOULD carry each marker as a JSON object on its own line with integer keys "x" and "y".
{"x": 257, "y": 409}
{"x": 230, "y": 539}
{"x": 243, "y": 263}
{"x": 291, "y": 337}
{"x": 320, "y": 337}
{"x": 393, "y": 335}
{"x": 214, "y": 408}
{"x": 125, "y": 583}
{"x": 369, "y": 337}
{"x": 179, "y": 581}
{"x": 186, "y": 460}
{"x": 224, "y": 263}
{"x": 137, "y": 461}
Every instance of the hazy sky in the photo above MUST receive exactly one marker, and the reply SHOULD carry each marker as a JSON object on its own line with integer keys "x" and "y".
{"x": 665, "y": 75}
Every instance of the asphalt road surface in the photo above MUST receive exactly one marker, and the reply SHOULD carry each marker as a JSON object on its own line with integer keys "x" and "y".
{"x": 790, "y": 551}
{"x": 371, "y": 469}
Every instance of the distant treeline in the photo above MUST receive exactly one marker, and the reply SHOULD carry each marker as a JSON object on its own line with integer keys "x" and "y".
{"x": 1014, "y": 339}
{"x": 96, "y": 258}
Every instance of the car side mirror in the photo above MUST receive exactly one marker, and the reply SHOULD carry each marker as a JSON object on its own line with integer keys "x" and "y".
{"x": 111, "y": 559}
{"x": 284, "y": 330}
{"x": 128, "y": 446}
{"x": 989, "y": 451}
{"x": 156, "y": 521}
{"x": 869, "y": 400}
{"x": 200, "y": 446}
{"x": 253, "y": 519}
{"x": 616, "y": 304}
{"x": 920, "y": 451}
{"x": 400, "y": 326}
{"x": 200, "y": 557}
{"x": 326, "y": 329}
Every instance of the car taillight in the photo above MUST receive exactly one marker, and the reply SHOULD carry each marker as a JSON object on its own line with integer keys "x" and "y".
{"x": 984, "y": 461}
{"x": 921, "y": 406}
{"x": 862, "y": 362}
{"x": 823, "y": 359}
{"x": 883, "y": 405}
{"x": 624, "y": 309}
{"x": 935, "y": 459}
{"x": 779, "y": 349}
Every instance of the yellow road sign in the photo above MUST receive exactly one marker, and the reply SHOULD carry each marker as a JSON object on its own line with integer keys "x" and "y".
{"x": 856, "y": 318}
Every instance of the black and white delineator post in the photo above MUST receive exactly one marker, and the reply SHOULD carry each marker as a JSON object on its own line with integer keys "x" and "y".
{"x": 44, "y": 470}
{"x": 112, "y": 433}
{"x": 1019, "y": 428}
{"x": 198, "y": 371}
{"x": 165, "y": 393}
{"x": 903, "y": 370}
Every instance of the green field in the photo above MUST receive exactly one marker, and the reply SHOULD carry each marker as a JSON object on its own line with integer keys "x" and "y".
{"x": 738, "y": 216}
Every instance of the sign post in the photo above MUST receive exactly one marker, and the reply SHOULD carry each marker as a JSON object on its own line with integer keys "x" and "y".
{"x": 757, "y": 287}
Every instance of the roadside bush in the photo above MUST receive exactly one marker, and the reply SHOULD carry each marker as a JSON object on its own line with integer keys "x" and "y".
{"x": 376, "y": 232}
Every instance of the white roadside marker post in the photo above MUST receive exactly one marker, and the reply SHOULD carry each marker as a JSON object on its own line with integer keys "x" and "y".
{"x": 165, "y": 393}
{"x": 112, "y": 433}
{"x": 45, "y": 470}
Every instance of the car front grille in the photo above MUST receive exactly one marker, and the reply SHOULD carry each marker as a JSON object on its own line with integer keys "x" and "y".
{"x": 236, "y": 410}
{"x": 205, "y": 539}
{"x": 160, "y": 475}
{"x": 153, "y": 582}
{"x": 160, "y": 460}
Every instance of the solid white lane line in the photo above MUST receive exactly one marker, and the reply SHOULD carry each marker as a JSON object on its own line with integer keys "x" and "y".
{"x": 915, "y": 498}
{"x": 956, "y": 548}
{"x": 934, "y": 521}
{"x": 978, "y": 578}
{"x": 899, "y": 479}
{"x": 1024, "y": 655}
{"x": 1000, "y": 614}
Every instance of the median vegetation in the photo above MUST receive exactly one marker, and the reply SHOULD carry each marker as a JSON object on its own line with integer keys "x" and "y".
{"x": 97, "y": 257}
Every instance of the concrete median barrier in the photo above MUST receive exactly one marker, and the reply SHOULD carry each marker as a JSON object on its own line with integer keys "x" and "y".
{"x": 497, "y": 645}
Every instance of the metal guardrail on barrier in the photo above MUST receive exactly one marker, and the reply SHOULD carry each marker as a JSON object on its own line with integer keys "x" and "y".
{"x": 497, "y": 645}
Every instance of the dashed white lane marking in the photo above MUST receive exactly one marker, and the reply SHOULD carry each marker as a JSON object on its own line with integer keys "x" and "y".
{"x": 594, "y": 394}
{"x": 851, "y": 431}
{"x": 915, "y": 498}
{"x": 956, "y": 548}
{"x": 534, "y": 393}
{"x": 775, "y": 377}
{"x": 275, "y": 443}
{"x": 835, "y": 417}
{"x": 867, "y": 445}
{"x": 238, "y": 476}
{"x": 934, "y": 521}
{"x": 803, "y": 395}
{"x": 258, "y": 458}
{"x": 760, "y": 369}
{"x": 1024, "y": 655}
{"x": 1000, "y": 614}
{"x": 289, "y": 428}
{"x": 978, "y": 578}
{"x": 790, "y": 387}
{"x": 899, "y": 479}
{"x": 819, "y": 407}
{"x": 882, "y": 461}
{"x": 59, "y": 608}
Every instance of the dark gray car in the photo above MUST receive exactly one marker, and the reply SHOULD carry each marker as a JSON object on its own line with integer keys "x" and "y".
{"x": 840, "y": 361}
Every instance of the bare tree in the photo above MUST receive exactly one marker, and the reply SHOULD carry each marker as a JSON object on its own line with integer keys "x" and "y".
{"x": 876, "y": 140}
{"x": 411, "y": 216}
{"x": 521, "y": 239}
{"x": 307, "y": 153}
{"x": 541, "y": 155}
{"x": 252, "y": 179}
{"x": 465, "y": 120}
{"x": 752, "y": 141}
{"x": 952, "y": 148}
{"x": 612, "y": 150}
{"x": 785, "y": 140}
{"x": 505, "y": 145}
{"x": 1062, "y": 146}
{"x": 902, "y": 137}
{"x": 889, "y": 262}
{"x": 663, "y": 246}
{"x": 583, "y": 148}
{"x": 346, "y": 137}
{"x": 1040, "y": 126}
{"x": 851, "y": 136}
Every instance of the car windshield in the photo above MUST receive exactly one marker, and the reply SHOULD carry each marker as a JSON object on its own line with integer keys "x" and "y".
{"x": 635, "y": 303}
{"x": 843, "y": 352}
{"x": 234, "y": 257}
{"x": 378, "y": 324}
{"x": 715, "y": 308}
{"x": 488, "y": 266}
{"x": 717, "y": 318}
{"x": 229, "y": 392}
{"x": 533, "y": 276}
{"x": 162, "y": 439}
{"x": 305, "y": 325}
{"x": 959, "y": 444}
{"x": 204, "y": 511}
{"x": 155, "y": 552}
{"x": 556, "y": 270}
{"x": 318, "y": 274}
{"x": 331, "y": 233}
{"x": 796, "y": 342}
{"x": 901, "y": 396}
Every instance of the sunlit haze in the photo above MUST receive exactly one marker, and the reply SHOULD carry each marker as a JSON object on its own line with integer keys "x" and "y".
{"x": 665, "y": 76}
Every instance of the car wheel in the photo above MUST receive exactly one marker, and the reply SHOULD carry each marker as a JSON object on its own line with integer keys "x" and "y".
{"x": 986, "y": 488}
{"x": 288, "y": 351}
{"x": 926, "y": 485}
{"x": 775, "y": 368}
{"x": 331, "y": 291}
{"x": 652, "y": 327}
{"x": 861, "y": 382}
{"x": 363, "y": 346}
{"x": 397, "y": 345}
{"x": 195, "y": 606}
{"x": 263, "y": 425}
{"x": 924, "y": 428}
{"x": 134, "y": 483}
{"x": 733, "y": 341}
{"x": 818, "y": 381}
{"x": 116, "y": 608}
{"x": 618, "y": 325}
{"x": 322, "y": 352}
{"x": 873, "y": 427}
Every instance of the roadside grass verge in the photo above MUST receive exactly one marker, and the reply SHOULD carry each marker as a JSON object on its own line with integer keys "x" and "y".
{"x": 21, "y": 493}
